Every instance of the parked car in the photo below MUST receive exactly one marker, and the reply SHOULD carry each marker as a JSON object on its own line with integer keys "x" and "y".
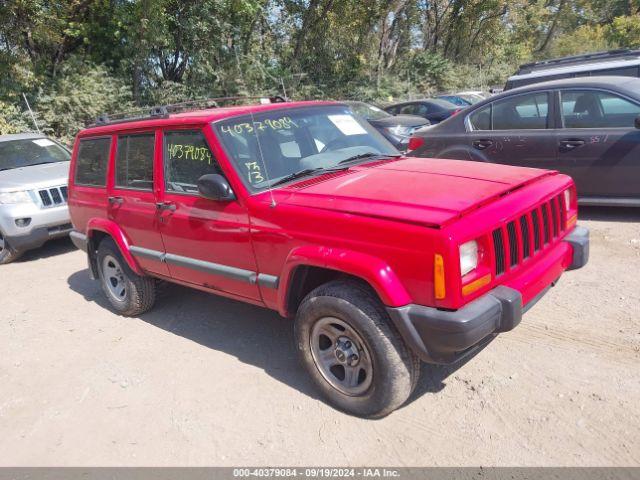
{"x": 472, "y": 96}
{"x": 622, "y": 62}
{"x": 455, "y": 99}
{"x": 395, "y": 128}
{"x": 434, "y": 109}
{"x": 33, "y": 193}
{"x": 583, "y": 127}
{"x": 304, "y": 208}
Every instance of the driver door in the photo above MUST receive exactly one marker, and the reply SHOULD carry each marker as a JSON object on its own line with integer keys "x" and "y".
{"x": 208, "y": 243}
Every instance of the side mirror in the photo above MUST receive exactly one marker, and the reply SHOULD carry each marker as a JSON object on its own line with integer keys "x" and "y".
{"x": 637, "y": 122}
{"x": 215, "y": 187}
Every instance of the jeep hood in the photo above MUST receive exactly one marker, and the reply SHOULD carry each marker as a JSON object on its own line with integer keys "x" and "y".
{"x": 35, "y": 176}
{"x": 429, "y": 192}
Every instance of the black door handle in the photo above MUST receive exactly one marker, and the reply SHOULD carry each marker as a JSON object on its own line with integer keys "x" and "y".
{"x": 571, "y": 143}
{"x": 115, "y": 200}
{"x": 482, "y": 143}
{"x": 166, "y": 206}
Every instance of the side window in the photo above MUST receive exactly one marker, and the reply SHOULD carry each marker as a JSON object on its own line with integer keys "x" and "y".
{"x": 407, "y": 110}
{"x": 481, "y": 118}
{"x": 421, "y": 109}
{"x": 91, "y": 164}
{"x": 134, "y": 161}
{"x": 521, "y": 112}
{"x": 186, "y": 158}
{"x": 595, "y": 109}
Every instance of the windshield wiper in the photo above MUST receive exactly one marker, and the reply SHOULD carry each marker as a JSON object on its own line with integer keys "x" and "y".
{"x": 361, "y": 156}
{"x": 294, "y": 175}
{"x": 311, "y": 171}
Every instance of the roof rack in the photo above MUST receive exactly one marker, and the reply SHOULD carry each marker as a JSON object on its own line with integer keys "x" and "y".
{"x": 576, "y": 59}
{"x": 163, "y": 111}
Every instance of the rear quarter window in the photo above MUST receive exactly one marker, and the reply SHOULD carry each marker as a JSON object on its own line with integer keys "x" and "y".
{"x": 91, "y": 164}
{"x": 481, "y": 118}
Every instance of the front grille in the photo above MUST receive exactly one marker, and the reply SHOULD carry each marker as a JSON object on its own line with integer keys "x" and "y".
{"x": 498, "y": 246}
{"x": 520, "y": 242}
{"x": 513, "y": 243}
{"x": 526, "y": 242}
{"x": 53, "y": 197}
{"x": 535, "y": 218}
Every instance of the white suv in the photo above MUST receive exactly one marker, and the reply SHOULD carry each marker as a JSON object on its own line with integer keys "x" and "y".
{"x": 34, "y": 173}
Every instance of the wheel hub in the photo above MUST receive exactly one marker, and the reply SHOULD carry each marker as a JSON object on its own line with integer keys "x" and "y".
{"x": 341, "y": 356}
{"x": 346, "y": 352}
{"x": 113, "y": 278}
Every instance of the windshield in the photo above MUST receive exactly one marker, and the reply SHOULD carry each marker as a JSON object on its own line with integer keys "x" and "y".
{"x": 277, "y": 144}
{"x": 32, "y": 151}
{"x": 367, "y": 111}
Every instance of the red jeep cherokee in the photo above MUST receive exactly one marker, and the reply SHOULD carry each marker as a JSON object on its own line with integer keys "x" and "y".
{"x": 304, "y": 208}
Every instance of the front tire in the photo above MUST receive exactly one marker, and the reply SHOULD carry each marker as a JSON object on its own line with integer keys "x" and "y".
{"x": 128, "y": 293}
{"x": 352, "y": 352}
{"x": 7, "y": 255}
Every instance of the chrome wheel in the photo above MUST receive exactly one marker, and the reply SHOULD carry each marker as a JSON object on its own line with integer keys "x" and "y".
{"x": 341, "y": 356}
{"x": 113, "y": 278}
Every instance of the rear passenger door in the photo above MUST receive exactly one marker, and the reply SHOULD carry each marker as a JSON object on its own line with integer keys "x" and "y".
{"x": 132, "y": 198}
{"x": 598, "y": 144}
{"x": 207, "y": 242}
{"x": 90, "y": 180}
{"x": 517, "y": 130}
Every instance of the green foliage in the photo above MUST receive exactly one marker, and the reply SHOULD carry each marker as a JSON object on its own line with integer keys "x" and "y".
{"x": 624, "y": 31}
{"x": 75, "y": 59}
{"x": 13, "y": 120}
{"x": 78, "y": 95}
{"x": 586, "y": 38}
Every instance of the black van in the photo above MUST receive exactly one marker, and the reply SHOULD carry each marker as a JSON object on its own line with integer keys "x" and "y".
{"x": 623, "y": 62}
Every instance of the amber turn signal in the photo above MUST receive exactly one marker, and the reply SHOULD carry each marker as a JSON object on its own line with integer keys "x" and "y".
{"x": 476, "y": 284}
{"x": 438, "y": 277}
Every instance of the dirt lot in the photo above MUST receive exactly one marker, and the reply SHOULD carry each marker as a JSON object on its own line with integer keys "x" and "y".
{"x": 202, "y": 380}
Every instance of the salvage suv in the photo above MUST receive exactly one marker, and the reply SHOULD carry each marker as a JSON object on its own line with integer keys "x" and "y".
{"x": 306, "y": 209}
{"x": 33, "y": 193}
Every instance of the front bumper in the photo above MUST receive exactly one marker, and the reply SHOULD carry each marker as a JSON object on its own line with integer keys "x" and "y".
{"x": 44, "y": 224}
{"x": 441, "y": 336}
{"x": 38, "y": 237}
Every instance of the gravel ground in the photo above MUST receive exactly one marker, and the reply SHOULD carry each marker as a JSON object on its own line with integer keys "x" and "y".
{"x": 202, "y": 380}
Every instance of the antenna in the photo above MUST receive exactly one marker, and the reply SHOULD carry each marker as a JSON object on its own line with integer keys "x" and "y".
{"x": 31, "y": 112}
{"x": 266, "y": 171}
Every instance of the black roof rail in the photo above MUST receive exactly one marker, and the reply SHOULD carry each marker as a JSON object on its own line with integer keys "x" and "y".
{"x": 163, "y": 111}
{"x": 577, "y": 59}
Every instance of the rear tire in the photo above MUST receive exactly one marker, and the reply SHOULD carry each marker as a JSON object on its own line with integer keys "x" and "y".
{"x": 7, "y": 255}
{"x": 128, "y": 293}
{"x": 352, "y": 351}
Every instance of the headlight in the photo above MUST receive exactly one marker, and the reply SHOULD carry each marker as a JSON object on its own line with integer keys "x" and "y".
{"x": 468, "y": 257}
{"x": 15, "y": 197}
